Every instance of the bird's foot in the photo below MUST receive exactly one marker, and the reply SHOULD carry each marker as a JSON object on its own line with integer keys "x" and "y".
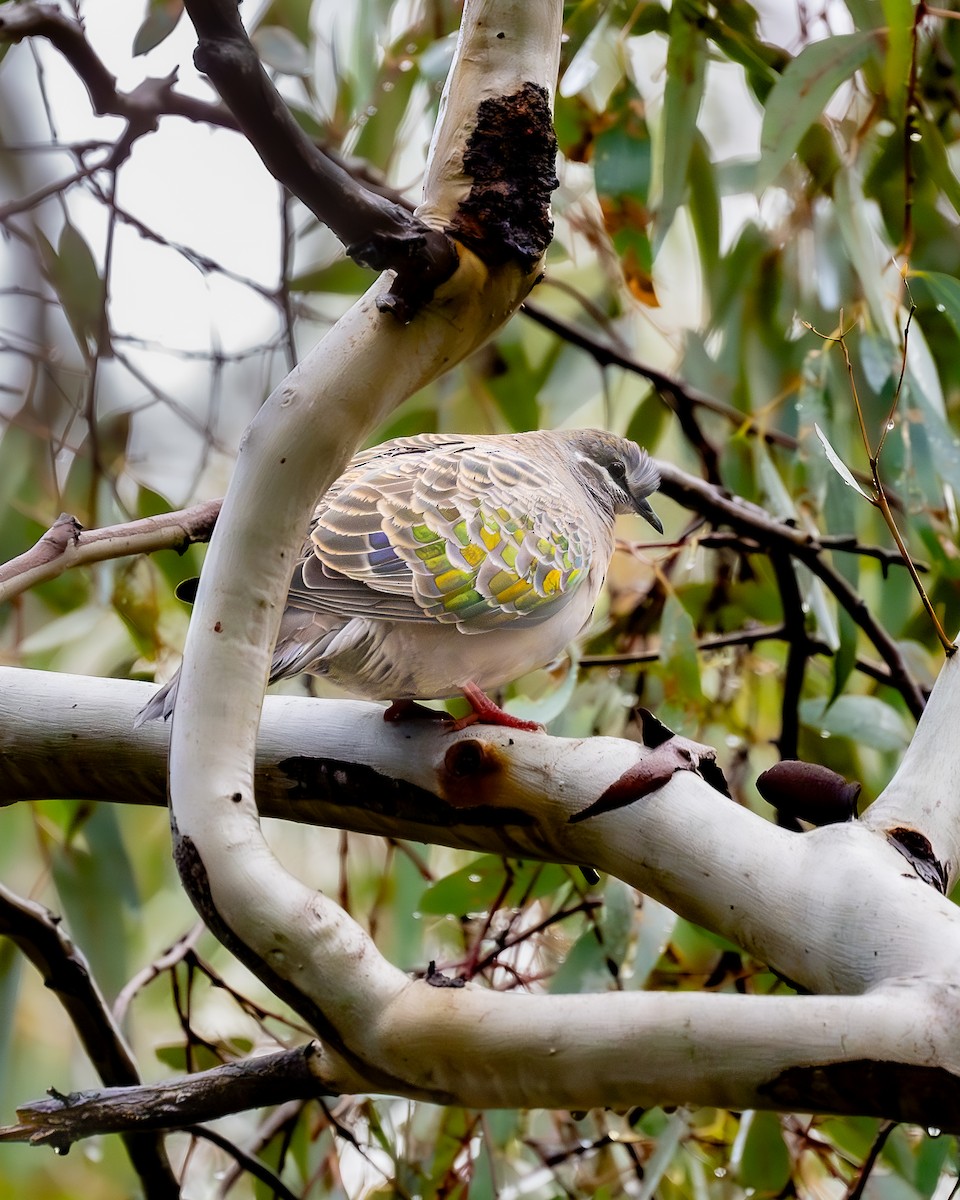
{"x": 485, "y": 712}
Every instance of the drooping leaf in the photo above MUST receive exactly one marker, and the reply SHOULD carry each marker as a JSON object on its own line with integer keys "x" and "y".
{"x": 280, "y": 49}
{"x": 476, "y": 887}
{"x": 678, "y": 649}
{"x": 72, "y": 271}
{"x": 801, "y": 94}
{"x": 944, "y": 291}
{"x": 933, "y": 161}
{"x": 585, "y": 968}
{"x": 686, "y": 70}
{"x": 838, "y": 464}
{"x": 94, "y": 898}
{"x": 704, "y": 205}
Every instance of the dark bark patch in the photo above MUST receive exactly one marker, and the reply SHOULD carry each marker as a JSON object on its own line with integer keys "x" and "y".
{"x": 357, "y": 785}
{"x": 511, "y": 157}
{"x": 916, "y": 849}
{"x": 928, "y": 1096}
{"x": 671, "y": 753}
{"x": 437, "y": 979}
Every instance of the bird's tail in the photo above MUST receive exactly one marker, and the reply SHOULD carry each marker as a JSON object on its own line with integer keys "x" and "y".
{"x": 160, "y": 703}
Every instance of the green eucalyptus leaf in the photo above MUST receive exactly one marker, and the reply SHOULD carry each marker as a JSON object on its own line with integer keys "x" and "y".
{"x": 281, "y": 50}
{"x": 838, "y": 464}
{"x": 686, "y": 71}
{"x": 865, "y": 720}
{"x": 801, "y": 93}
{"x": 477, "y": 887}
{"x": 943, "y": 290}
{"x": 585, "y": 968}
{"x": 765, "y": 1162}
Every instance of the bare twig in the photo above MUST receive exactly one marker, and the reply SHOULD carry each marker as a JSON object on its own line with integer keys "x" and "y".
{"x": 21, "y": 21}
{"x": 798, "y": 650}
{"x": 856, "y": 1188}
{"x": 879, "y": 497}
{"x": 165, "y": 962}
{"x": 246, "y": 1162}
{"x": 284, "y": 1116}
{"x": 66, "y": 544}
{"x": 750, "y": 520}
{"x": 60, "y": 1120}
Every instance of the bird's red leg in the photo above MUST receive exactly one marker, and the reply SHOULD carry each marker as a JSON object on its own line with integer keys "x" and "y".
{"x": 485, "y": 712}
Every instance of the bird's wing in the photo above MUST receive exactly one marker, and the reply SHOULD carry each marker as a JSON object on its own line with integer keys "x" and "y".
{"x": 477, "y": 535}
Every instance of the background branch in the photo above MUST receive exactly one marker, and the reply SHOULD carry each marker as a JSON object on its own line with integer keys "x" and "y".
{"x": 375, "y": 231}
{"x": 66, "y": 544}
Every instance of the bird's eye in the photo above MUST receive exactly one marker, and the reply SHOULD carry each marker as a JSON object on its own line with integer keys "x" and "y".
{"x": 618, "y": 471}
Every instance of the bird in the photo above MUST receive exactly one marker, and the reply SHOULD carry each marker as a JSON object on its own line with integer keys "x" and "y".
{"x": 449, "y": 564}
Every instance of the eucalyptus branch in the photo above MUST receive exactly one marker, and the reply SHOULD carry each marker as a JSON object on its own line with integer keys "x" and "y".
{"x": 62, "y": 1119}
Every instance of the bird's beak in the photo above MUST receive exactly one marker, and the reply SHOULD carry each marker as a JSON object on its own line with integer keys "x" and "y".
{"x": 645, "y": 510}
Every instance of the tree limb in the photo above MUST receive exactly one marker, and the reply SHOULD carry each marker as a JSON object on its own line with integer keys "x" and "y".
{"x": 257, "y": 1082}
{"x": 818, "y": 1053}
{"x": 376, "y": 232}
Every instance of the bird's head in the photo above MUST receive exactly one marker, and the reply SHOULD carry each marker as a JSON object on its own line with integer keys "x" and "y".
{"x": 618, "y": 472}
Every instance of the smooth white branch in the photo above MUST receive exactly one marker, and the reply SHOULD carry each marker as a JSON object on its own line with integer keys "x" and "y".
{"x": 836, "y": 910}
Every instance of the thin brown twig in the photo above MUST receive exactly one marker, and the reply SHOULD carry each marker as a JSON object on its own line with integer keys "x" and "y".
{"x": 880, "y": 497}
{"x": 66, "y": 544}
{"x": 169, "y": 958}
{"x": 911, "y": 109}
{"x": 247, "y": 1162}
{"x": 748, "y": 519}
{"x": 856, "y": 1188}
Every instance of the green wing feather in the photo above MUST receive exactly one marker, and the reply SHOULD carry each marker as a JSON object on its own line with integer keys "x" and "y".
{"x": 430, "y": 528}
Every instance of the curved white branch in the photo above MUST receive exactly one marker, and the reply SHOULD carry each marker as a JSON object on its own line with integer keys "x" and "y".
{"x": 302, "y": 943}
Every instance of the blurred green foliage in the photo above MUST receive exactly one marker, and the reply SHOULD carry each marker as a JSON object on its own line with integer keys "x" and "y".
{"x": 736, "y": 192}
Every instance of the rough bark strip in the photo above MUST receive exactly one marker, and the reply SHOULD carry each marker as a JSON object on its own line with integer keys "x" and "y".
{"x": 511, "y": 156}
{"x": 917, "y": 850}
{"x": 62, "y": 1119}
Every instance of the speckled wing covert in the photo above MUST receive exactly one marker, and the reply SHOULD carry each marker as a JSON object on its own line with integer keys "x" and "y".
{"x": 441, "y": 529}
